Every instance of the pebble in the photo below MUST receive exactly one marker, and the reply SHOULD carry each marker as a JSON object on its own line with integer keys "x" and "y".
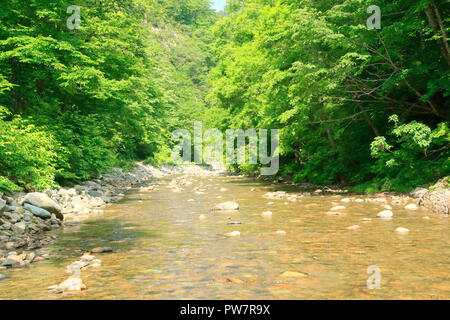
{"x": 294, "y": 274}
{"x": 102, "y": 250}
{"x": 402, "y": 230}
{"x": 87, "y": 257}
{"x": 334, "y": 213}
{"x": 411, "y": 206}
{"x": 233, "y": 234}
{"x": 366, "y": 219}
{"x": 355, "y": 227}
{"x": 234, "y": 222}
{"x": 280, "y": 233}
{"x": 359, "y": 200}
{"x": 234, "y": 280}
{"x": 202, "y": 217}
{"x": 345, "y": 200}
{"x": 337, "y": 208}
{"x": 267, "y": 213}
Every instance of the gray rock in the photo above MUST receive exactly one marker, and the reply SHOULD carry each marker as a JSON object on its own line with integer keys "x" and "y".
{"x": 38, "y": 212}
{"x": 42, "y": 201}
{"x": 102, "y": 250}
{"x": 418, "y": 192}
{"x": 12, "y": 216}
{"x": 2, "y": 205}
{"x": 9, "y": 263}
{"x": 68, "y": 192}
{"x": 96, "y": 202}
{"x": 95, "y": 193}
{"x": 2, "y": 277}
{"x": 20, "y": 228}
{"x": 9, "y": 208}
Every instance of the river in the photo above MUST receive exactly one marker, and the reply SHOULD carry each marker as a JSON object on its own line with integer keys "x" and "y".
{"x": 163, "y": 250}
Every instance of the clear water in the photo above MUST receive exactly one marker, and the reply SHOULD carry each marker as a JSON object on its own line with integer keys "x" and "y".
{"x": 164, "y": 251}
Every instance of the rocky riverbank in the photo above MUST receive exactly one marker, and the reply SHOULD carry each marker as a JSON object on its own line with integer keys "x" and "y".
{"x": 25, "y": 219}
{"x": 436, "y": 197}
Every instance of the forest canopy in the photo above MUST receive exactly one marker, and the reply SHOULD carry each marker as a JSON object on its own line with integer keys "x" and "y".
{"x": 365, "y": 107}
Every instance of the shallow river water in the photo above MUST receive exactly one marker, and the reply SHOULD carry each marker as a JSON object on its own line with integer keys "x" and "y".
{"x": 162, "y": 250}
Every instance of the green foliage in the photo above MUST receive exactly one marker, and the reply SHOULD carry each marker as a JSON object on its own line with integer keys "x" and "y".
{"x": 412, "y": 155}
{"x": 82, "y": 101}
{"x": 27, "y": 156}
{"x": 314, "y": 70}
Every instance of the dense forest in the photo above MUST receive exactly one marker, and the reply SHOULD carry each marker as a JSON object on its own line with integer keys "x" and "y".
{"x": 354, "y": 105}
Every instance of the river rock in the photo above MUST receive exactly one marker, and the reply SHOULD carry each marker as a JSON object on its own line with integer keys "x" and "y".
{"x": 345, "y": 200}
{"x": 73, "y": 283}
{"x": 277, "y": 194}
{"x": 411, "y": 206}
{"x": 2, "y": 277}
{"x": 38, "y": 212}
{"x": 234, "y": 280}
{"x": 87, "y": 257}
{"x": 418, "y": 192}
{"x": 229, "y": 205}
{"x": 337, "y": 208}
{"x": 42, "y": 201}
{"x": 386, "y": 214}
{"x": 19, "y": 227}
{"x": 294, "y": 274}
{"x": 95, "y": 193}
{"x": 8, "y": 262}
{"x": 2, "y": 205}
{"x": 102, "y": 250}
{"x": 67, "y": 192}
{"x": 233, "y": 234}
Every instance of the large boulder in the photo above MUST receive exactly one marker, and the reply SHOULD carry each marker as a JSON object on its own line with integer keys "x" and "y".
{"x": 438, "y": 197}
{"x": 42, "y": 201}
{"x": 38, "y": 212}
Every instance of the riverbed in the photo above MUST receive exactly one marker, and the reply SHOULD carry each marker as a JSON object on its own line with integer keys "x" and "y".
{"x": 164, "y": 250}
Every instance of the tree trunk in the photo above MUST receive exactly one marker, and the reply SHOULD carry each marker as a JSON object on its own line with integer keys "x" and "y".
{"x": 435, "y": 21}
